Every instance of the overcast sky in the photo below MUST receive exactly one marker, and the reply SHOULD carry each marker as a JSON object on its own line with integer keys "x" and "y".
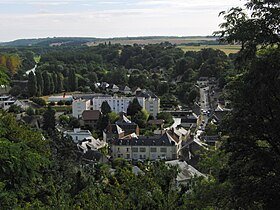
{"x": 110, "y": 18}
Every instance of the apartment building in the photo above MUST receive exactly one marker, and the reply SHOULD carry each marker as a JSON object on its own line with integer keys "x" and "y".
{"x": 144, "y": 147}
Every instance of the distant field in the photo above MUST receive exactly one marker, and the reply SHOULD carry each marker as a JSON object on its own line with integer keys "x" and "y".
{"x": 172, "y": 40}
{"x": 226, "y": 48}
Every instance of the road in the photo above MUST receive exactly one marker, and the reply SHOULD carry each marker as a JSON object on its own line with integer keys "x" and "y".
{"x": 204, "y": 107}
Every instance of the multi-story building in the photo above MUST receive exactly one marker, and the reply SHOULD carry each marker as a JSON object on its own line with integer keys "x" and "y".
{"x": 144, "y": 147}
{"x": 149, "y": 102}
{"x": 80, "y": 105}
{"x": 117, "y": 104}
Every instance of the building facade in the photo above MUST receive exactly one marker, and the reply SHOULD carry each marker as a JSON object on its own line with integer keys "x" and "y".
{"x": 79, "y": 106}
{"x": 143, "y": 148}
{"x": 117, "y": 104}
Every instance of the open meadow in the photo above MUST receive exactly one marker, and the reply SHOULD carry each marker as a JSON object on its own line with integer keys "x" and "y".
{"x": 225, "y": 48}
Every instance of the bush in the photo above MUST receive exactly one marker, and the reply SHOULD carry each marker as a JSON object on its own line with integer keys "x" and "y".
{"x": 39, "y": 101}
{"x": 52, "y": 103}
{"x": 30, "y": 111}
{"x": 68, "y": 102}
{"x": 61, "y": 103}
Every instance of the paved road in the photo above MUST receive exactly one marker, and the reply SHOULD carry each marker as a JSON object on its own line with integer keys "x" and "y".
{"x": 204, "y": 107}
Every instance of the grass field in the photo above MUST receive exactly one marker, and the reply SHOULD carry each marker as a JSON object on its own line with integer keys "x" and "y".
{"x": 156, "y": 40}
{"x": 225, "y": 48}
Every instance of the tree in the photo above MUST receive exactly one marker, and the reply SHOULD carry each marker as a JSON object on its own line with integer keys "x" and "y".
{"x": 32, "y": 84}
{"x": 49, "y": 119}
{"x": 59, "y": 82}
{"x": 167, "y": 117}
{"x": 72, "y": 80}
{"x": 52, "y": 84}
{"x": 134, "y": 107}
{"x": 46, "y": 77}
{"x": 261, "y": 27}
{"x": 140, "y": 118}
{"x": 55, "y": 82}
{"x": 253, "y": 144}
{"x": 30, "y": 111}
{"x": 253, "y": 127}
{"x": 105, "y": 108}
{"x": 40, "y": 83}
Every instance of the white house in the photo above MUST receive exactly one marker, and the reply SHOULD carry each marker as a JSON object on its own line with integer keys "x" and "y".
{"x": 78, "y": 135}
{"x": 80, "y": 105}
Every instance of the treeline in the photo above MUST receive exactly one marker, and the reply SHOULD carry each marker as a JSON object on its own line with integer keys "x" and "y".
{"x": 161, "y": 68}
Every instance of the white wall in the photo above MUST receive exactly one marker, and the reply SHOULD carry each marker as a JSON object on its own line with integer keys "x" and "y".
{"x": 78, "y": 106}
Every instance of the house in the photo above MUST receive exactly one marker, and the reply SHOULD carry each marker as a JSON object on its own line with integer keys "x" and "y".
{"x": 112, "y": 131}
{"x": 35, "y": 121}
{"x": 219, "y": 115}
{"x": 94, "y": 156}
{"x": 126, "y": 90}
{"x": 11, "y": 101}
{"x": 186, "y": 171}
{"x": 136, "y": 91}
{"x": 179, "y": 133}
{"x": 90, "y": 118}
{"x": 210, "y": 140}
{"x": 114, "y": 88}
{"x": 104, "y": 85}
{"x": 146, "y": 147}
{"x": 157, "y": 122}
{"x": 126, "y": 125}
{"x": 78, "y": 135}
{"x": 79, "y": 106}
{"x": 90, "y": 144}
{"x": 189, "y": 121}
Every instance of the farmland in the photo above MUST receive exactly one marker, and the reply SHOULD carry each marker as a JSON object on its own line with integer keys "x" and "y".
{"x": 225, "y": 48}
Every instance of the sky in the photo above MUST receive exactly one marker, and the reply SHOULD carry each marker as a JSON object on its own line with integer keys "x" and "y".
{"x": 109, "y": 18}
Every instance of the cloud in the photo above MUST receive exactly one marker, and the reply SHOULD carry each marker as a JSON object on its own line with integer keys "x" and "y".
{"x": 109, "y": 18}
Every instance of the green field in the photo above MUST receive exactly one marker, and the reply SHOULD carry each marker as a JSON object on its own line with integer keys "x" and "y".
{"x": 225, "y": 48}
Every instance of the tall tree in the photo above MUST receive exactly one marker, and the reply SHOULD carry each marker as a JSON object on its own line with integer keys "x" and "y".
{"x": 32, "y": 84}
{"x": 46, "y": 77}
{"x": 253, "y": 145}
{"x": 52, "y": 86}
{"x": 40, "y": 83}
{"x": 55, "y": 82}
{"x": 49, "y": 119}
{"x": 72, "y": 80}
{"x": 105, "y": 108}
{"x": 134, "y": 107}
{"x": 59, "y": 82}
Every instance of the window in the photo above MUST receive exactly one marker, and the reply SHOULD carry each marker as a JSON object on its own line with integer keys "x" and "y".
{"x": 142, "y": 149}
{"x": 127, "y": 149}
{"x": 127, "y": 156}
{"x": 163, "y": 149}
{"x": 118, "y": 149}
{"x": 134, "y": 149}
{"x": 153, "y": 149}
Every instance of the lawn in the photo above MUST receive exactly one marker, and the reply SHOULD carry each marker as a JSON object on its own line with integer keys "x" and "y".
{"x": 226, "y": 48}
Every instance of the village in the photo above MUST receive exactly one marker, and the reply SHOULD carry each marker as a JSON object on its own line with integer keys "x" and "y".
{"x": 178, "y": 141}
